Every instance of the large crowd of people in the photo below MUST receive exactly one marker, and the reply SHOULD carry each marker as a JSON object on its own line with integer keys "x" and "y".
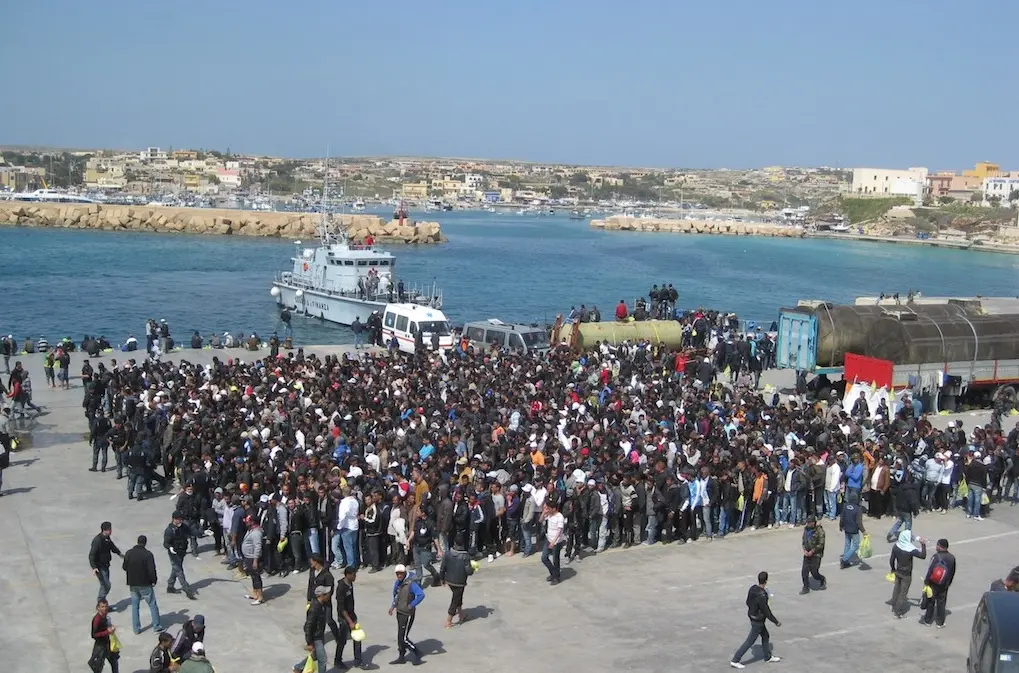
{"x": 382, "y": 459}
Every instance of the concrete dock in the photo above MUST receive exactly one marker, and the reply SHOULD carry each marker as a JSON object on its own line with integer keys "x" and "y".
{"x": 673, "y": 608}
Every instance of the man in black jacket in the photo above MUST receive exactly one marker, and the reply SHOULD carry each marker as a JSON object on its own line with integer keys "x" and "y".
{"x": 939, "y": 577}
{"x": 347, "y": 618}
{"x": 140, "y": 567}
{"x": 455, "y": 569}
{"x": 315, "y": 630}
{"x": 99, "y": 556}
{"x": 759, "y": 611}
{"x": 175, "y": 541}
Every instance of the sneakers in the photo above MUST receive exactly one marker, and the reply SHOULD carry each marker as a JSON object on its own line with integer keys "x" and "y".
{"x": 824, "y": 584}
{"x": 736, "y": 664}
{"x": 804, "y": 591}
{"x": 257, "y": 602}
{"x": 773, "y": 659}
{"x": 978, "y": 517}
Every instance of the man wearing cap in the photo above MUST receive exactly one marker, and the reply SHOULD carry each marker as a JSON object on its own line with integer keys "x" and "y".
{"x": 196, "y": 663}
{"x": 192, "y": 632}
{"x": 219, "y": 506}
{"x": 407, "y": 595}
{"x": 175, "y": 541}
{"x": 1010, "y": 583}
{"x": 315, "y": 630}
{"x": 939, "y": 578}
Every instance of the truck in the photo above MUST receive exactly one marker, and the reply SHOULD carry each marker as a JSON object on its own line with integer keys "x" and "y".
{"x": 947, "y": 357}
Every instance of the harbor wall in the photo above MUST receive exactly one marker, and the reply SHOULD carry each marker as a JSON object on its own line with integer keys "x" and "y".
{"x": 722, "y": 227}
{"x": 164, "y": 219}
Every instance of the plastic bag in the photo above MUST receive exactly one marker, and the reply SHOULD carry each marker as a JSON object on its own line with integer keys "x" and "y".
{"x": 963, "y": 489}
{"x": 984, "y": 499}
{"x": 114, "y": 643}
{"x": 281, "y": 545}
{"x": 357, "y": 634}
{"x": 890, "y": 577}
{"x": 310, "y": 665}
{"x": 866, "y": 550}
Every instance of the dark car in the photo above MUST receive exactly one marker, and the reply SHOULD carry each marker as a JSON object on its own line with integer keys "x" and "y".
{"x": 994, "y": 642}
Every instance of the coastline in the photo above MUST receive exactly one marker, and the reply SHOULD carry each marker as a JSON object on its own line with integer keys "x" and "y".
{"x": 163, "y": 219}
{"x": 771, "y": 230}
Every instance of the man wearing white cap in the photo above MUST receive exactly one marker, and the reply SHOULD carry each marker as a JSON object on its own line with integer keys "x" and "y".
{"x": 407, "y": 595}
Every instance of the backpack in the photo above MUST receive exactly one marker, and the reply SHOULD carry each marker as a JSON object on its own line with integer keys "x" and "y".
{"x": 939, "y": 572}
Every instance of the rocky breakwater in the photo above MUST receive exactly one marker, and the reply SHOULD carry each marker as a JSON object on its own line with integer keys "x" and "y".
{"x": 719, "y": 227}
{"x": 164, "y": 219}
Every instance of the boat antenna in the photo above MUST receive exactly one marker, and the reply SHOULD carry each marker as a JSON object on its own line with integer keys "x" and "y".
{"x": 323, "y": 225}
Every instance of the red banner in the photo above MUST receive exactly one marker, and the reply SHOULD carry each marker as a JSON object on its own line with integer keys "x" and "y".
{"x": 863, "y": 369}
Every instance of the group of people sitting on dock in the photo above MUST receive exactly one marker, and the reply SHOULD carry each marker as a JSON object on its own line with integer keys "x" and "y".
{"x": 383, "y": 458}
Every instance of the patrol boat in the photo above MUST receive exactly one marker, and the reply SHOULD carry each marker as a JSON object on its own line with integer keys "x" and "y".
{"x": 339, "y": 280}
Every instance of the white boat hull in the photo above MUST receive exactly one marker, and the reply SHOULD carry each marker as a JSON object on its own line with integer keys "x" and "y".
{"x": 336, "y": 309}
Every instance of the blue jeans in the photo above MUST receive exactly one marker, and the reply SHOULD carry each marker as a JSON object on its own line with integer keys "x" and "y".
{"x": 349, "y": 539}
{"x": 550, "y": 557}
{"x": 976, "y": 494}
{"x": 831, "y": 503}
{"x": 177, "y": 572}
{"x": 312, "y": 540}
{"x": 851, "y": 547}
{"x": 903, "y": 521}
{"x": 527, "y": 535}
{"x": 723, "y": 521}
{"x": 652, "y": 526}
{"x": 320, "y": 656}
{"x": 103, "y": 575}
{"x": 784, "y": 508}
{"x": 799, "y": 507}
{"x": 139, "y": 594}
{"x": 336, "y": 544}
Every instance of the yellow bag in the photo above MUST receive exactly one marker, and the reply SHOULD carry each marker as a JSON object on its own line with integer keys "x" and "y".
{"x": 928, "y": 591}
{"x": 890, "y": 577}
{"x": 310, "y": 665}
{"x": 114, "y": 643}
{"x": 357, "y": 634}
{"x": 866, "y": 550}
{"x": 963, "y": 489}
{"x": 984, "y": 500}
{"x": 281, "y": 545}
{"x": 740, "y": 501}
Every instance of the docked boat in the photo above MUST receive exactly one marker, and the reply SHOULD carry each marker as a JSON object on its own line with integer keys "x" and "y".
{"x": 339, "y": 281}
{"x": 50, "y": 196}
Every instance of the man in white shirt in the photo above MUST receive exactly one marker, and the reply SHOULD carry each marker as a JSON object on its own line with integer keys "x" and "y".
{"x": 554, "y": 538}
{"x": 945, "y": 488}
{"x": 832, "y": 483}
{"x": 346, "y": 527}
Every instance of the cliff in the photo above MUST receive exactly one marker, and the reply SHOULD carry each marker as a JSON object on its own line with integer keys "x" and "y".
{"x": 162, "y": 219}
{"x": 721, "y": 227}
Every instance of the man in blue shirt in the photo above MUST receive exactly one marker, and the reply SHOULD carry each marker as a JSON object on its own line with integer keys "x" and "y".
{"x": 854, "y": 477}
{"x": 407, "y": 595}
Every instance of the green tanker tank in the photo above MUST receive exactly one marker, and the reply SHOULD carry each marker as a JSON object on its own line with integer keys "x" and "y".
{"x": 668, "y": 332}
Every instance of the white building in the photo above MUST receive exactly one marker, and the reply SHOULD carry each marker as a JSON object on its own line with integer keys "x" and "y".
{"x": 1000, "y": 187}
{"x": 884, "y": 182}
{"x": 153, "y": 154}
{"x": 473, "y": 182}
{"x": 229, "y": 179}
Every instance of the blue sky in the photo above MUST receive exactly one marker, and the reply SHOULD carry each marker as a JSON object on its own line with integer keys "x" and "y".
{"x": 650, "y": 83}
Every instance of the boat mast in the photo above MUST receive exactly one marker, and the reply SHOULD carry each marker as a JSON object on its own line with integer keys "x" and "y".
{"x": 323, "y": 226}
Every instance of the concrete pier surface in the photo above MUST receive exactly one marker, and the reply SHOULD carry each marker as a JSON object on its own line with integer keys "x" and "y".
{"x": 661, "y": 608}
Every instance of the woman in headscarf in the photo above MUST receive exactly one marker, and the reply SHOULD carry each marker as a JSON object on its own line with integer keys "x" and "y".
{"x": 901, "y": 560}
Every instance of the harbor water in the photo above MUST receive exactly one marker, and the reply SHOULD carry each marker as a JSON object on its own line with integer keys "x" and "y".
{"x": 523, "y": 268}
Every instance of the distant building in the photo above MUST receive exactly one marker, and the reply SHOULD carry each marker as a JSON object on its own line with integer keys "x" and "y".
{"x": 999, "y": 188}
{"x": 414, "y": 190}
{"x": 983, "y": 169}
{"x": 20, "y": 178}
{"x": 492, "y": 197}
{"x": 473, "y": 182}
{"x": 183, "y": 155}
{"x": 110, "y": 176}
{"x": 939, "y": 184}
{"x": 152, "y": 154}
{"x": 911, "y": 182}
{"x": 229, "y": 179}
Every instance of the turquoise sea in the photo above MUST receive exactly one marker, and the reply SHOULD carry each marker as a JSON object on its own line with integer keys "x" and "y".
{"x": 57, "y": 283}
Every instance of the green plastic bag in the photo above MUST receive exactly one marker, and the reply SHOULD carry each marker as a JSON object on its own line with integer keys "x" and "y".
{"x": 866, "y": 550}
{"x": 963, "y": 489}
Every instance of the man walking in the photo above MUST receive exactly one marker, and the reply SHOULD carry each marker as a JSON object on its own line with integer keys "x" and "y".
{"x": 99, "y": 556}
{"x": 347, "y": 618}
{"x": 939, "y": 577}
{"x": 407, "y": 595}
{"x": 555, "y": 528}
{"x": 175, "y": 541}
{"x": 140, "y": 567}
{"x": 455, "y": 569}
{"x": 251, "y": 553}
{"x": 813, "y": 550}
{"x": 315, "y": 630}
{"x": 759, "y": 612}
{"x": 851, "y": 524}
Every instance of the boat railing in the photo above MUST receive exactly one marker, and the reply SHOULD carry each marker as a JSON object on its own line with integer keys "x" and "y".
{"x": 423, "y": 295}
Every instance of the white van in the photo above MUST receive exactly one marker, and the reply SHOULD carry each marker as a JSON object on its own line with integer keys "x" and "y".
{"x": 404, "y": 320}
{"x": 512, "y": 336}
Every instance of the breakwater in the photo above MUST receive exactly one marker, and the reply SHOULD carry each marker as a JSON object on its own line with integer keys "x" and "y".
{"x": 164, "y": 219}
{"x": 720, "y": 227}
